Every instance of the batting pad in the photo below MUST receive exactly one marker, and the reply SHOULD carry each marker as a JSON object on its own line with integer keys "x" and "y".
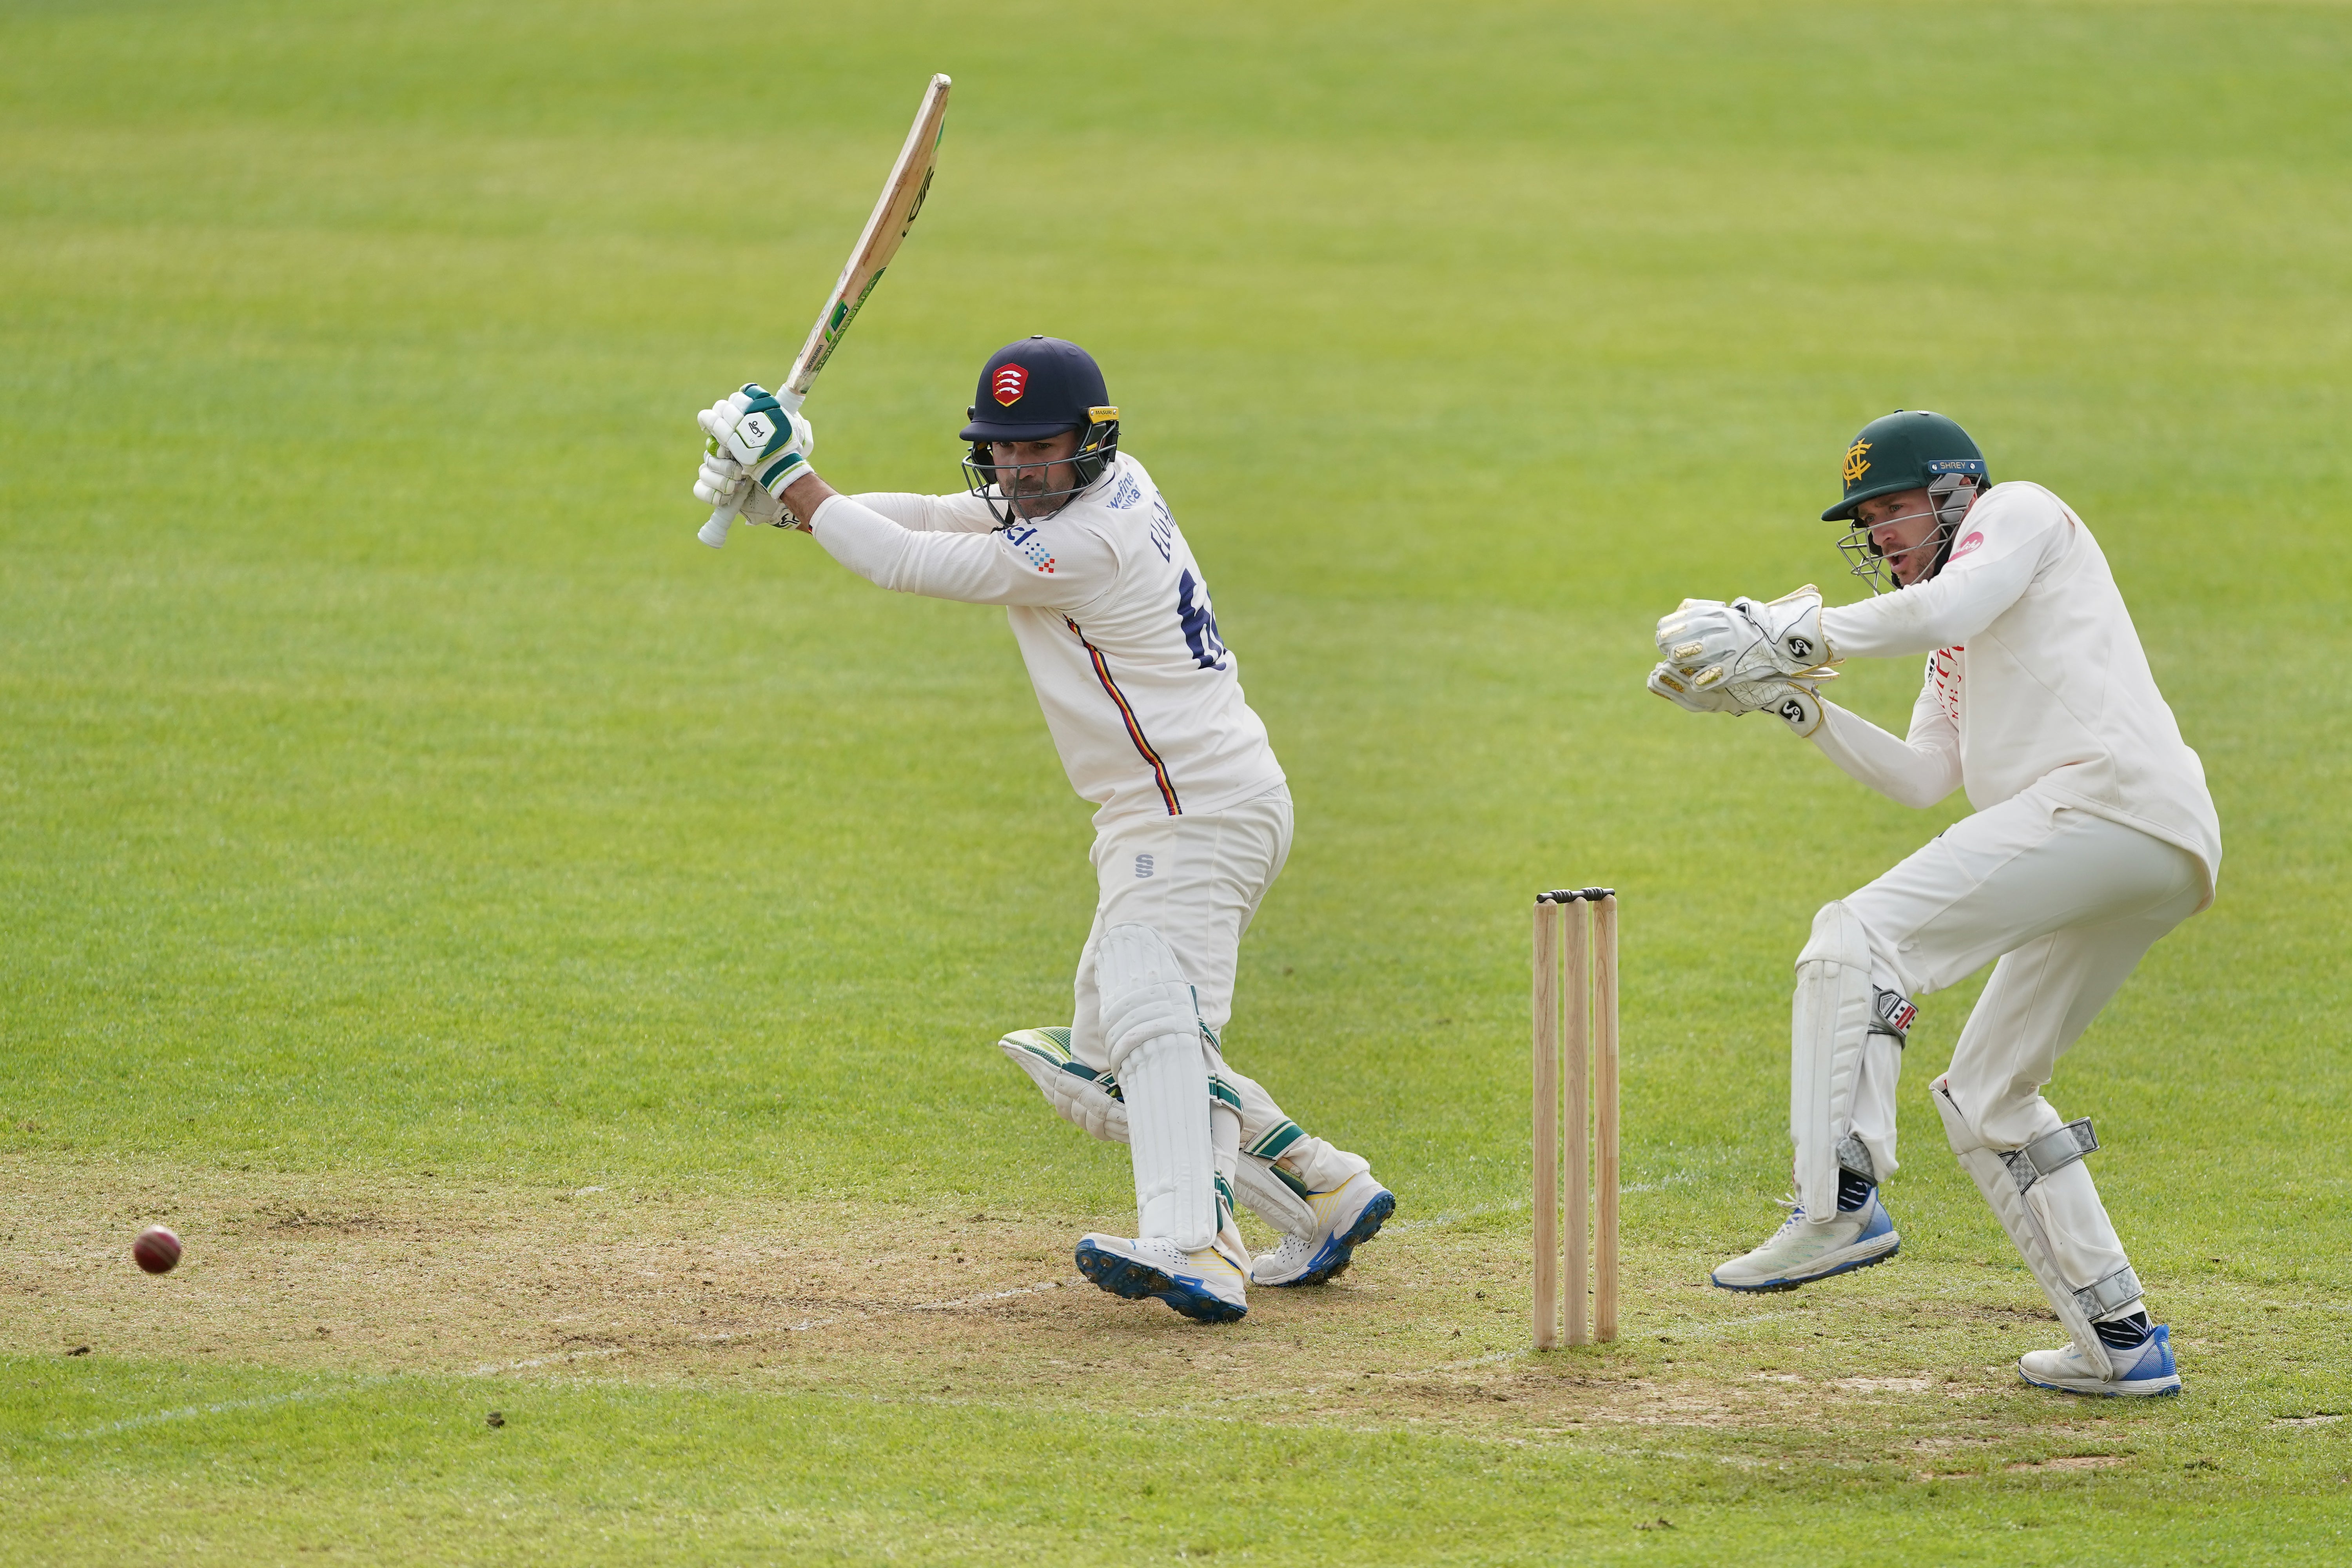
{"x": 1090, "y": 1101}
{"x": 2043, "y": 1196}
{"x": 1152, "y": 1026}
{"x": 1829, "y": 1025}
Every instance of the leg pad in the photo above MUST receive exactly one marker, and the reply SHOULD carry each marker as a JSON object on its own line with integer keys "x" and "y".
{"x": 2049, "y": 1153}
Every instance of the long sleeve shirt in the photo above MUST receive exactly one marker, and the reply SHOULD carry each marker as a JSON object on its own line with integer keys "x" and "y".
{"x": 1111, "y": 612}
{"x": 2036, "y": 679}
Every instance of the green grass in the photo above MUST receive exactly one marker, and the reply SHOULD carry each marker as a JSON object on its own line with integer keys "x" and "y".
{"x": 207, "y": 1467}
{"x": 390, "y": 783}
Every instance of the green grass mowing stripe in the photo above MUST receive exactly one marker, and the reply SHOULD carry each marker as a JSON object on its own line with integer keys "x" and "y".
{"x": 103, "y": 1456}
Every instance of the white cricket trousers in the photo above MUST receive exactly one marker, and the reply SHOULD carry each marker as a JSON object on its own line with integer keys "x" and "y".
{"x": 2067, "y": 902}
{"x": 1198, "y": 879}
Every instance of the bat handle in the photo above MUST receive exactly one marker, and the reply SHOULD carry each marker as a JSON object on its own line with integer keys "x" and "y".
{"x": 723, "y": 518}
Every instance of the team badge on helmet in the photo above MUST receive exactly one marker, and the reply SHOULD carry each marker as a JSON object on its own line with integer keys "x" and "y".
{"x": 1857, "y": 461}
{"x": 1008, "y": 384}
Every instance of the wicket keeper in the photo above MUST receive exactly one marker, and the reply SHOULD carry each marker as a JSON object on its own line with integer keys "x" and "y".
{"x": 2092, "y": 836}
{"x": 1192, "y": 818}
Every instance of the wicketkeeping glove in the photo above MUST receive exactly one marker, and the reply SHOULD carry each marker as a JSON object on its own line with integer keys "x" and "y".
{"x": 750, "y": 436}
{"x": 1798, "y": 704}
{"x": 1746, "y": 639}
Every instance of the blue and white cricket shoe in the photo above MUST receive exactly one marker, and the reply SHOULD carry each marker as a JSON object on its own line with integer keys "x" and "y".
{"x": 2141, "y": 1369}
{"x": 1805, "y": 1249}
{"x": 1205, "y": 1286}
{"x": 1350, "y": 1215}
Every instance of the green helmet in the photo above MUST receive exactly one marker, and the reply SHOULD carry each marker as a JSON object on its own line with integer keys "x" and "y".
{"x": 1908, "y": 449}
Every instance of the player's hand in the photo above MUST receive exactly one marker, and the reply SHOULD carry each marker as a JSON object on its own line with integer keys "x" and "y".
{"x": 1796, "y": 703}
{"x": 1791, "y": 626}
{"x": 750, "y": 436}
{"x": 1745, "y": 638}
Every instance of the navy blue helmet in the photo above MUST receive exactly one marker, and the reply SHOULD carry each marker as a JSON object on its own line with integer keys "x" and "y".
{"x": 1032, "y": 389}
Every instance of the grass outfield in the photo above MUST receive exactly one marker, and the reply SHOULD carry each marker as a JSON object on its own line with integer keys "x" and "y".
{"x": 542, "y": 965}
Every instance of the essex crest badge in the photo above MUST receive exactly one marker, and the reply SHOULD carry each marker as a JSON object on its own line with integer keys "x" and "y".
{"x": 1008, "y": 384}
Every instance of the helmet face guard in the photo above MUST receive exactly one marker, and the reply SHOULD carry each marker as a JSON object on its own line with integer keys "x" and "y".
{"x": 1949, "y": 495}
{"x": 998, "y": 484}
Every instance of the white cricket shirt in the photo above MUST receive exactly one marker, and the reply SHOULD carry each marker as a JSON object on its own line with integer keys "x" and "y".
{"x": 2036, "y": 678}
{"x": 1143, "y": 699}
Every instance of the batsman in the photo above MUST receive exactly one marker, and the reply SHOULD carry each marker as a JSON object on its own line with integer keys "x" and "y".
{"x": 2092, "y": 836}
{"x": 1192, "y": 818}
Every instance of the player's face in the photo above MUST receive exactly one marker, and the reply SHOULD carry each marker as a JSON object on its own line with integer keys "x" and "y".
{"x": 1903, "y": 526}
{"x": 1028, "y": 471}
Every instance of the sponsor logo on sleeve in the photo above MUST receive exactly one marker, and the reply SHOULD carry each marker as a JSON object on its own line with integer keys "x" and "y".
{"x": 1031, "y": 548}
{"x": 1973, "y": 541}
{"x": 1008, "y": 384}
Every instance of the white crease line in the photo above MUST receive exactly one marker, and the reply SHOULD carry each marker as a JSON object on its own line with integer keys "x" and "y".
{"x": 494, "y": 1369}
{"x": 1452, "y": 1216}
{"x": 1306, "y": 1390}
{"x": 991, "y": 1296}
{"x": 1716, "y": 1326}
{"x": 885, "y": 1308}
{"x": 129, "y": 1422}
{"x": 802, "y": 1327}
{"x": 225, "y": 1407}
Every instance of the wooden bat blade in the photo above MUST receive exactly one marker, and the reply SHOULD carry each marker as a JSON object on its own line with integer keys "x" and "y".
{"x": 894, "y": 214}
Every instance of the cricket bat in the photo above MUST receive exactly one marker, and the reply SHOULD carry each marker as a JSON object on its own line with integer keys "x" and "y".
{"x": 894, "y": 214}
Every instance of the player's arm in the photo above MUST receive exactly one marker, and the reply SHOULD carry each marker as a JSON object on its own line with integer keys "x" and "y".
{"x": 2021, "y": 533}
{"x": 1917, "y": 772}
{"x": 933, "y": 545}
{"x": 1005, "y": 566}
{"x": 959, "y": 513}
{"x": 756, "y": 455}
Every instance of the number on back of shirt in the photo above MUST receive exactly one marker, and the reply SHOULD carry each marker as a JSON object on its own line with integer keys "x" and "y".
{"x": 1200, "y": 623}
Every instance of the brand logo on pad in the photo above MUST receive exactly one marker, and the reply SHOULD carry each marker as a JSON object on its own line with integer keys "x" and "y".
{"x": 1008, "y": 384}
{"x": 1970, "y": 542}
{"x": 1857, "y": 462}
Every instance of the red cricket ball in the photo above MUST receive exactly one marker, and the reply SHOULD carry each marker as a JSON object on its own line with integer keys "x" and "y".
{"x": 157, "y": 1250}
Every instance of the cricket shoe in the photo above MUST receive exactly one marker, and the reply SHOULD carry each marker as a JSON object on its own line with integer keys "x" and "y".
{"x": 1351, "y": 1214}
{"x": 2141, "y": 1369}
{"x": 1204, "y": 1285}
{"x": 1805, "y": 1249}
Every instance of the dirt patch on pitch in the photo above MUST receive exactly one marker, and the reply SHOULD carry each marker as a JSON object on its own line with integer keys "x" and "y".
{"x": 1429, "y": 1331}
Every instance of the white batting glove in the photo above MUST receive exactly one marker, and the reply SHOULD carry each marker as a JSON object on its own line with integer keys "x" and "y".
{"x": 752, "y": 444}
